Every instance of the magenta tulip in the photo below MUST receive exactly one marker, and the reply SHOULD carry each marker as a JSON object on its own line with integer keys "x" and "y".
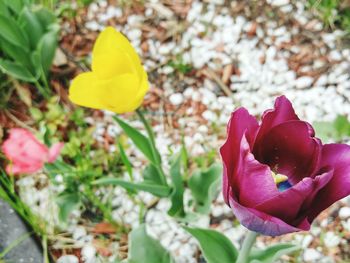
{"x": 277, "y": 176}
{"x": 26, "y": 154}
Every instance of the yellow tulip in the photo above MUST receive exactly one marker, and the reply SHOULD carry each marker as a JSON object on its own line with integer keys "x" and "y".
{"x": 117, "y": 81}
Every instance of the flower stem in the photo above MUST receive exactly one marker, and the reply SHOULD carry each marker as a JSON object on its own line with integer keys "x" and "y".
{"x": 249, "y": 240}
{"x": 153, "y": 144}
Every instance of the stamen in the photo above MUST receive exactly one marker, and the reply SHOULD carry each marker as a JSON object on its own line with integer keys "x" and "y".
{"x": 279, "y": 178}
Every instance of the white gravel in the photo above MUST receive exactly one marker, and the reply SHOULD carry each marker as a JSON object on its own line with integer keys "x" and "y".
{"x": 212, "y": 39}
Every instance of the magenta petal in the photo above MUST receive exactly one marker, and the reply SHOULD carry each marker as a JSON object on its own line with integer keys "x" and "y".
{"x": 336, "y": 156}
{"x": 254, "y": 180}
{"x": 263, "y": 223}
{"x": 241, "y": 122}
{"x": 287, "y": 205}
{"x": 283, "y": 111}
{"x": 290, "y": 149}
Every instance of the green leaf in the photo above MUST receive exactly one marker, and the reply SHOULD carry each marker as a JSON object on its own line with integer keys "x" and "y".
{"x": 144, "y": 249}
{"x": 4, "y": 9}
{"x": 152, "y": 174}
{"x": 15, "y": 70}
{"x": 125, "y": 159}
{"x": 158, "y": 190}
{"x": 17, "y": 53}
{"x": 46, "y": 50}
{"x": 46, "y": 18}
{"x": 31, "y": 25}
{"x": 272, "y": 253}
{"x": 141, "y": 141}
{"x": 67, "y": 202}
{"x": 215, "y": 246}
{"x": 325, "y": 130}
{"x": 204, "y": 186}
{"x": 15, "y": 5}
{"x": 342, "y": 125}
{"x": 12, "y": 32}
{"x": 177, "y": 207}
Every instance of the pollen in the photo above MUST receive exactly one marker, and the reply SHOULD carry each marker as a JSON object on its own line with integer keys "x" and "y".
{"x": 279, "y": 178}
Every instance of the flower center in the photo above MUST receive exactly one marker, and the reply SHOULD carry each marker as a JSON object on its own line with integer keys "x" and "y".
{"x": 281, "y": 181}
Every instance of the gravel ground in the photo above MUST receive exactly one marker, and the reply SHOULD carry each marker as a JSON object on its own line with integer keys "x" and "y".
{"x": 204, "y": 59}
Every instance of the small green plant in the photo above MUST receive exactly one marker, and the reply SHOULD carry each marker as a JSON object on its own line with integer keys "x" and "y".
{"x": 28, "y": 42}
{"x": 332, "y": 12}
{"x": 179, "y": 65}
{"x": 336, "y": 130}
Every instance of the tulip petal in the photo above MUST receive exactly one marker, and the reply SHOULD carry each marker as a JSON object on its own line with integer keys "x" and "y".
{"x": 121, "y": 94}
{"x": 240, "y": 122}
{"x": 283, "y": 111}
{"x": 252, "y": 174}
{"x": 116, "y": 62}
{"x": 14, "y": 169}
{"x": 54, "y": 151}
{"x": 336, "y": 156}
{"x": 289, "y": 204}
{"x": 21, "y": 143}
{"x": 109, "y": 40}
{"x": 86, "y": 90}
{"x": 263, "y": 223}
{"x": 289, "y": 149}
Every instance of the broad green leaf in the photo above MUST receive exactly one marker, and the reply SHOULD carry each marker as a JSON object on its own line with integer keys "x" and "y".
{"x": 144, "y": 249}
{"x": 204, "y": 186}
{"x": 15, "y": 5}
{"x": 4, "y": 9}
{"x": 272, "y": 253}
{"x": 141, "y": 141}
{"x": 66, "y": 203}
{"x": 31, "y": 25}
{"x": 158, "y": 190}
{"x": 152, "y": 174}
{"x": 177, "y": 207}
{"x": 17, "y": 53}
{"x": 125, "y": 159}
{"x": 46, "y": 50}
{"x": 15, "y": 70}
{"x": 215, "y": 246}
{"x": 12, "y": 32}
{"x": 46, "y": 18}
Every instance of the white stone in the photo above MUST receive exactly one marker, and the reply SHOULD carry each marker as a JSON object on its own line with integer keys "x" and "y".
{"x": 331, "y": 239}
{"x": 303, "y": 82}
{"x": 68, "y": 259}
{"x": 307, "y": 241}
{"x": 344, "y": 212}
{"x": 176, "y": 99}
{"x": 278, "y": 2}
{"x": 79, "y": 232}
{"x": 311, "y": 255}
{"x": 209, "y": 115}
{"x": 88, "y": 253}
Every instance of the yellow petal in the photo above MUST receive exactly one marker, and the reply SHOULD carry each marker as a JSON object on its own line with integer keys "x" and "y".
{"x": 109, "y": 40}
{"x": 112, "y": 64}
{"x": 122, "y": 93}
{"x": 144, "y": 87}
{"x": 86, "y": 90}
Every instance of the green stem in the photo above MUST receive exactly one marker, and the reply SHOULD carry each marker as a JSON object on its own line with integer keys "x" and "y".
{"x": 249, "y": 240}
{"x": 42, "y": 90}
{"x": 45, "y": 250}
{"x": 153, "y": 144}
{"x": 147, "y": 126}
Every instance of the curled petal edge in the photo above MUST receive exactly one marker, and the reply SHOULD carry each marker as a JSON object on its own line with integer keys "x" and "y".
{"x": 263, "y": 223}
